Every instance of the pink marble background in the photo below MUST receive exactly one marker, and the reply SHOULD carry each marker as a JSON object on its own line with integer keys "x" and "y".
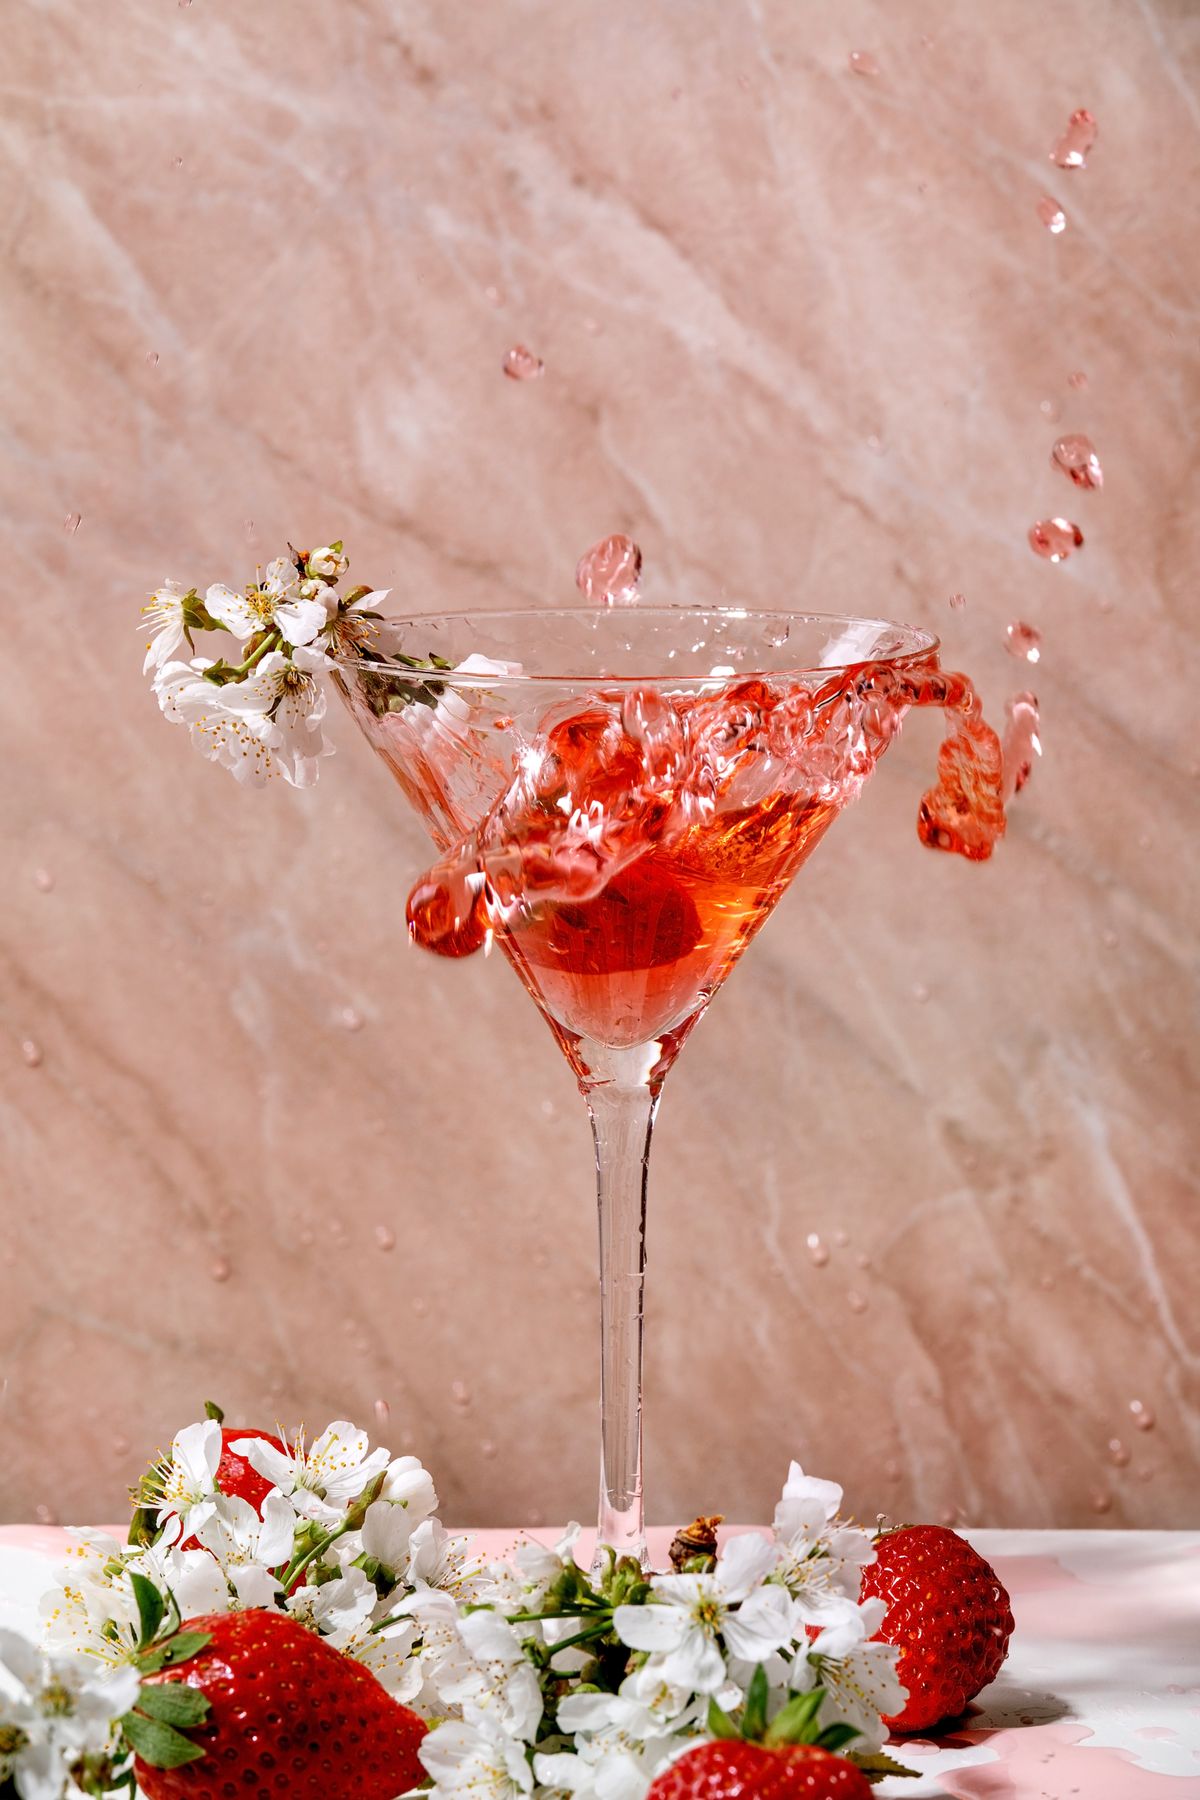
{"x": 807, "y": 340}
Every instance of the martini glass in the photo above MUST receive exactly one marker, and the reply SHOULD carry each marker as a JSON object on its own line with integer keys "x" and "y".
{"x": 619, "y": 797}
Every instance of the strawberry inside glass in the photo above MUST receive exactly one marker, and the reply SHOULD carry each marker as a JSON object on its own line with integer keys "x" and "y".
{"x": 618, "y": 800}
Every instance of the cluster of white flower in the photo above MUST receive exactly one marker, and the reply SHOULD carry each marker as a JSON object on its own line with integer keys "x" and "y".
{"x": 538, "y": 1679}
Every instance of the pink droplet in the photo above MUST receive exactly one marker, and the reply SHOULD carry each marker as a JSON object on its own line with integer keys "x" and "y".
{"x": 460, "y": 1393}
{"x": 521, "y": 364}
{"x": 421, "y": 1307}
{"x": 493, "y": 296}
{"x": 1023, "y": 640}
{"x": 1101, "y": 1501}
{"x": 1077, "y": 379}
{"x": 1055, "y": 539}
{"x": 818, "y": 1252}
{"x": 1074, "y": 146}
{"x": 1076, "y": 456}
{"x": 1050, "y": 409}
{"x": 609, "y": 572}
{"x": 72, "y": 522}
{"x": 385, "y": 1238}
{"x": 875, "y": 443}
{"x": 43, "y": 880}
{"x": 220, "y": 1268}
{"x": 1051, "y": 214}
{"x": 152, "y": 359}
{"x": 1021, "y": 744}
{"x": 487, "y": 1449}
{"x": 856, "y": 1302}
{"x": 32, "y": 1052}
{"x": 383, "y": 1412}
{"x": 841, "y": 1238}
{"x": 863, "y": 63}
{"x": 121, "y": 1446}
{"x": 1143, "y": 1415}
{"x": 957, "y": 602}
{"x": 350, "y": 1019}
{"x": 1118, "y": 1453}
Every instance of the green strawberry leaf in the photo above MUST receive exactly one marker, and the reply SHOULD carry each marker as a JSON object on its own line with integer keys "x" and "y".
{"x": 173, "y": 1703}
{"x": 720, "y": 1725}
{"x": 754, "y": 1718}
{"x": 150, "y": 1605}
{"x": 879, "y": 1764}
{"x": 158, "y": 1744}
{"x": 795, "y": 1723}
{"x": 183, "y": 1645}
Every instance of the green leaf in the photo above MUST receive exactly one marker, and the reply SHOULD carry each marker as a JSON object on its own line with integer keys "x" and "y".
{"x": 754, "y": 1719}
{"x": 213, "y": 1411}
{"x": 183, "y": 1645}
{"x": 876, "y": 1766}
{"x": 795, "y": 1723}
{"x": 173, "y": 1703}
{"x": 720, "y": 1725}
{"x": 836, "y": 1737}
{"x": 157, "y": 1744}
{"x": 151, "y": 1607}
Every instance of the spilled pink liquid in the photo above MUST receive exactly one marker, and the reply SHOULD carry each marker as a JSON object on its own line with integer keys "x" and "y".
{"x": 1056, "y": 1760}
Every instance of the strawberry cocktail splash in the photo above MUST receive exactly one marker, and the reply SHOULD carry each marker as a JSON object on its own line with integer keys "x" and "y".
{"x": 619, "y": 799}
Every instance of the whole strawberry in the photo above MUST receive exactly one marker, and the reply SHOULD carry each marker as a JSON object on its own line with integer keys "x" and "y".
{"x": 949, "y": 1615}
{"x": 271, "y": 1708}
{"x": 733, "y": 1770}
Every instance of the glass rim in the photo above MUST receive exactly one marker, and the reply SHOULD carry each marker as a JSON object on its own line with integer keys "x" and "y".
{"x": 919, "y": 643}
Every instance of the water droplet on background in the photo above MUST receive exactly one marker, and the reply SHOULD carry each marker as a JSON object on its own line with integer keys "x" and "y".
{"x": 220, "y": 1269}
{"x": 43, "y": 880}
{"x": 350, "y": 1019}
{"x": 1051, "y": 214}
{"x": 1055, "y": 539}
{"x": 460, "y": 1393}
{"x": 856, "y": 1302}
{"x": 1077, "y": 379}
{"x": 920, "y": 992}
{"x": 385, "y": 1237}
{"x": 818, "y": 1252}
{"x": 121, "y": 1446}
{"x": 1143, "y": 1415}
{"x": 841, "y": 1238}
{"x": 72, "y": 522}
{"x": 487, "y": 1449}
{"x": 957, "y": 602}
{"x": 863, "y": 63}
{"x": 1023, "y": 640}
{"x": 521, "y": 364}
{"x": 610, "y": 571}
{"x": 178, "y": 162}
{"x": 1101, "y": 1502}
{"x": 493, "y": 296}
{"x": 383, "y": 1412}
{"x": 1117, "y": 1453}
{"x": 152, "y": 359}
{"x": 1073, "y": 147}
{"x": 1076, "y": 456}
{"x": 32, "y": 1052}
{"x": 875, "y": 443}
{"x": 420, "y": 1307}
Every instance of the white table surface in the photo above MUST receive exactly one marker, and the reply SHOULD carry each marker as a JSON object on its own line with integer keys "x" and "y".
{"x": 1099, "y": 1698}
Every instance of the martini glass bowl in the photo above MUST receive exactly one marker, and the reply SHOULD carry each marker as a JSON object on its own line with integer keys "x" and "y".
{"x": 618, "y": 797}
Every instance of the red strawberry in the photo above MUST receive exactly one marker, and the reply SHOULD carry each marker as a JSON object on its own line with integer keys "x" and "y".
{"x": 734, "y": 1770}
{"x": 235, "y": 1476}
{"x": 287, "y": 1714}
{"x": 948, "y": 1613}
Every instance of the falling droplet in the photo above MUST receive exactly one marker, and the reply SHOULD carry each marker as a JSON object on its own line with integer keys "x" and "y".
{"x": 1023, "y": 640}
{"x": 856, "y": 1302}
{"x": 1101, "y": 1501}
{"x": 1076, "y": 456}
{"x": 460, "y": 1393}
{"x": 521, "y": 364}
{"x": 863, "y": 63}
{"x": 610, "y": 571}
{"x": 1051, "y": 214}
{"x": 1077, "y": 379}
{"x": 178, "y": 162}
{"x": 1143, "y": 1415}
{"x": 957, "y": 602}
{"x": 487, "y": 1449}
{"x": 383, "y": 1412}
{"x": 152, "y": 359}
{"x": 32, "y": 1053}
{"x": 1021, "y": 743}
{"x": 350, "y": 1019}
{"x": 818, "y": 1252}
{"x": 1055, "y": 539}
{"x": 72, "y": 522}
{"x": 220, "y": 1268}
{"x": 776, "y": 633}
{"x": 385, "y": 1237}
{"x": 1117, "y": 1453}
{"x": 43, "y": 880}
{"x": 1074, "y": 146}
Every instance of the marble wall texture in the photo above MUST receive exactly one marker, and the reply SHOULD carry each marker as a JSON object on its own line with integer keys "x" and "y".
{"x": 805, "y": 338}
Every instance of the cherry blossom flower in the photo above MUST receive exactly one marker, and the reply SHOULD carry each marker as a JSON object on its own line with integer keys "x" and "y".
{"x": 164, "y": 618}
{"x": 285, "y": 601}
{"x": 248, "y": 1547}
{"x": 222, "y": 736}
{"x": 474, "y": 1755}
{"x": 186, "y": 1480}
{"x": 858, "y": 1676}
{"x": 324, "y": 1479}
{"x": 53, "y": 1711}
{"x": 281, "y": 704}
{"x": 682, "y": 1631}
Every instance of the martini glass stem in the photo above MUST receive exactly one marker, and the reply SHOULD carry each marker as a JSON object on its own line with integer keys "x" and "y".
{"x": 622, "y": 1124}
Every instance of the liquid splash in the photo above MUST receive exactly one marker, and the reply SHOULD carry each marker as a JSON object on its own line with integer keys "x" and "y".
{"x": 1074, "y": 146}
{"x": 1021, "y": 743}
{"x": 1051, "y": 214}
{"x": 1076, "y": 456}
{"x": 610, "y": 571}
{"x": 1023, "y": 640}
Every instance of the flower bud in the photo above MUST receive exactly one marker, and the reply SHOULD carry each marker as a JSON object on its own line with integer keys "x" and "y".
{"x": 328, "y": 562}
